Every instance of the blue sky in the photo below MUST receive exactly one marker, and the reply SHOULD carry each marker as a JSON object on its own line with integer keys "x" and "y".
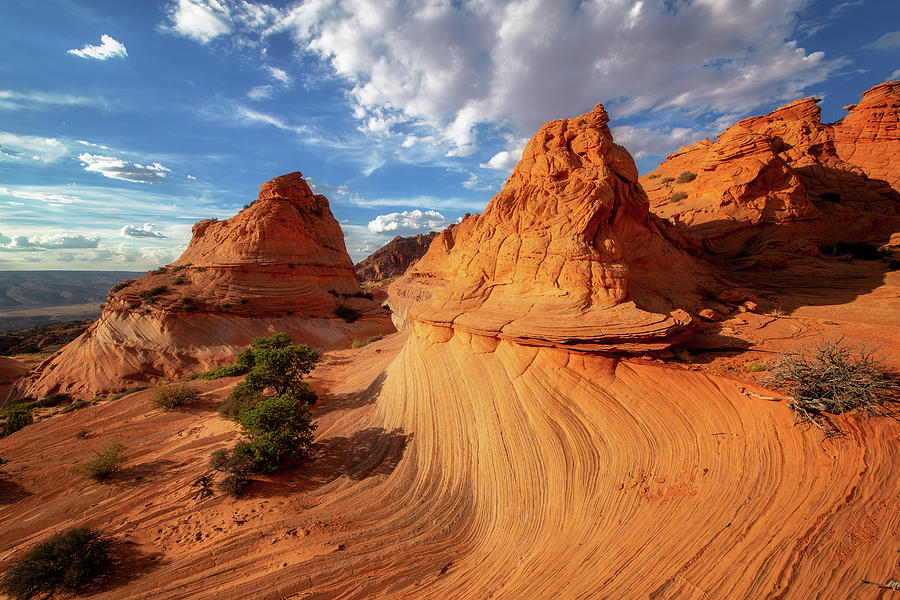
{"x": 123, "y": 123}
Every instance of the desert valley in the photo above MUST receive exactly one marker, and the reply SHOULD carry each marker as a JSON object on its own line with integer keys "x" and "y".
{"x": 578, "y": 393}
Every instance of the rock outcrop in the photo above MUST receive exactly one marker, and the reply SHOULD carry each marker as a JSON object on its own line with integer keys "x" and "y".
{"x": 394, "y": 258}
{"x": 278, "y": 265}
{"x": 566, "y": 254}
{"x": 786, "y": 183}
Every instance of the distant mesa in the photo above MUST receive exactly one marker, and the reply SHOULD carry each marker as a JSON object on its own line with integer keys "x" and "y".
{"x": 394, "y": 258}
{"x": 566, "y": 254}
{"x": 786, "y": 183}
{"x": 278, "y": 265}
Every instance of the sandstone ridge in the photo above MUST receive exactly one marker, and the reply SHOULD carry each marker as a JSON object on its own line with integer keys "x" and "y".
{"x": 566, "y": 254}
{"x": 394, "y": 258}
{"x": 786, "y": 183}
{"x": 278, "y": 265}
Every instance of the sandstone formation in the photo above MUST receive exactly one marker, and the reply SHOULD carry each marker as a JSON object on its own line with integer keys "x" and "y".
{"x": 278, "y": 265}
{"x": 786, "y": 183}
{"x": 566, "y": 253}
{"x": 11, "y": 370}
{"x": 394, "y": 258}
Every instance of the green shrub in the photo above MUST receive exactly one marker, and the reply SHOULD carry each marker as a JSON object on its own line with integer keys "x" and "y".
{"x": 69, "y": 562}
{"x": 667, "y": 180}
{"x": 129, "y": 391}
{"x": 242, "y": 397}
{"x": 678, "y": 197}
{"x": 686, "y": 177}
{"x": 236, "y": 465}
{"x": 54, "y": 400}
{"x": 77, "y": 405}
{"x": 755, "y": 367}
{"x": 151, "y": 294}
{"x": 834, "y": 378}
{"x": 121, "y": 286}
{"x": 108, "y": 461}
{"x": 17, "y": 417}
{"x": 280, "y": 431}
{"x": 653, "y": 176}
{"x": 158, "y": 271}
{"x": 173, "y": 396}
{"x": 178, "y": 280}
{"x": 357, "y": 344}
{"x": 346, "y": 313}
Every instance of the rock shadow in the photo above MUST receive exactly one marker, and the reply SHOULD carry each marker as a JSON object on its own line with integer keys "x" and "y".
{"x": 710, "y": 342}
{"x": 142, "y": 472}
{"x": 129, "y": 563}
{"x": 11, "y": 491}
{"x": 332, "y": 402}
{"x": 367, "y": 453}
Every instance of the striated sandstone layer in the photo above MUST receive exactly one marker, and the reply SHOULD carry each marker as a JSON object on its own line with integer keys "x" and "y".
{"x": 786, "y": 183}
{"x": 567, "y": 253}
{"x": 394, "y": 258}
{"x": 278, "y": 265}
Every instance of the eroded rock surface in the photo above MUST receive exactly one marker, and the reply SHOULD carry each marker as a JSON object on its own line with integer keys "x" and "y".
{"x": 394, "y": 258}
{"x": 786, "y": 183}
{"x": 278, "y": 265}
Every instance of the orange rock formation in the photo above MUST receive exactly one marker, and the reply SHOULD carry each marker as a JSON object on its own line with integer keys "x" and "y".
{"x": 786, "y": 182}
{"x": 278, "y": 265}
{"x": 394, "y": 258}
{"x": 566, "y": 253}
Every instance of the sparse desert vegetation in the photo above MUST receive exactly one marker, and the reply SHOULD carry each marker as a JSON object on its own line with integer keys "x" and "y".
{"x": 68, "y": 562}
{"x": 109, "y": 460}
{"x": 173, "y": 396}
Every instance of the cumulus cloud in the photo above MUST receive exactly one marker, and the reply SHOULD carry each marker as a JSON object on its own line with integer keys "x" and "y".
{"x": 409, "y": 222}
{"x": 53, "y": 241}
{"x": 28, "y": 148}
{"x": 200, "y": 20}
{"x": 109, "y": 48}
{"x": 886, "y": 42}
{"x": 456, "y": 65}
{"x": 116, "y": 168}
{"x": 145, "y": 231}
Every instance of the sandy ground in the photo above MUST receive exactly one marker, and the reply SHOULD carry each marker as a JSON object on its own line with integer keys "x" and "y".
{"x": 452, "y": 466}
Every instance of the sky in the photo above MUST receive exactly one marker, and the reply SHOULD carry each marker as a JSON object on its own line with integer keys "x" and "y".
{"x": 124, "y": 123}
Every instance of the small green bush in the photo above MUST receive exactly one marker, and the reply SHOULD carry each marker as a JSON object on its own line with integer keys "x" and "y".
{"x": 68, "y": 562}
{"x": 179, "y": 280}
{"x": 121, "y": 286}
{"x": 173, "y": 396}
{"x": 129, "y": 391}
{"x": 151, "y": 294}
{"x": 158, "y": 271}
{"x": 236, "y": 466}
{"x": 667, "y": 180}
{"x": 678, "y": 196}
{"x": 77, "y": 405}
{"x": 755, "y": 367}
{"x": 108, "y": 461}
{"x": 17, "y": 417}
{"x": 280, "y": 431}
{"x": 346, "y": 313}
{"x": 653, "y": 176}
{"x": 686, "y": 177}
{"x": 54, "y": 400}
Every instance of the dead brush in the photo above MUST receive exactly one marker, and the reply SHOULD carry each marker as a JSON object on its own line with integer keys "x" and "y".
{"x": 834, "y": 378}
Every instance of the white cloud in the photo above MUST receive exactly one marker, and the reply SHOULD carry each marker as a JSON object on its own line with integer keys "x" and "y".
{"x": 28, "y": 148}
{"x": 115, "y": 168}
{"x": 886, "y": 42}
{"x": 455, "y": 65}
{"x": 895, "y": 75}
{"x": 40, "y": 196}
{"x": 91, "y": 144}
{"x": 248, "y": 115}
{"x": 108, "y": 48}
{"x": 145, "y": 231}
{"x": 53, "y": 241}
{"x": 409, "y": 222}
{"x": 191, "y": 177}
{"x": 474, "y": 182}
{"x": 11, "y": 100}
{"x": 660, "y": 141}
{"x": 200, "y": 20}
{"x": 261, "y": 92}
{"x": 280, "y": 75}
